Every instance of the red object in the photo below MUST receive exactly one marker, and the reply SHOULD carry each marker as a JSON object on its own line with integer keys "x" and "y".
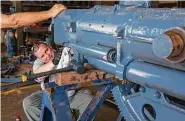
{"x": 17, "y": 118}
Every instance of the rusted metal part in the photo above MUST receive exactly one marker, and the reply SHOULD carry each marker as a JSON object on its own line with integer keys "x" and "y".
{"x": 90, "y": 78}
{"x": 49, "y": 90}
{"x": 53, "y": 102}
{"x": 88, "y": 66}
{"x": 93, "y": 83}
{"x": 93, "y": 107}
{"x": 59, "y": 107}
{"x": 8, "y": 69}
{"x": 178, "y": 44}
{"x": 62, "y": 109}
{"x": 46, "y": 113}
{"x": 82, "y": 85}
{"x": 73, "y": 77}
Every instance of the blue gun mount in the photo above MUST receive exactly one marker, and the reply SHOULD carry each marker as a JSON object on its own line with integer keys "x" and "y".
{"x": 143, "y": 46}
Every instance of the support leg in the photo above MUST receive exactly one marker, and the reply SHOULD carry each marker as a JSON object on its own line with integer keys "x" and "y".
{"x": 92, "y": 109}
{"x": 55, "y": 106}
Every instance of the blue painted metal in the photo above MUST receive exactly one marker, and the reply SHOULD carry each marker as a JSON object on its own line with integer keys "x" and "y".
{"x": 91, "y": 111}
{"x": 120, "y": 117}
{"x": 137, "y": 3}
{"x": 144, "y": 41}
{"x": 55, "y": 106}
{"x": 10, "y": 42}
{"x": 10, "y": 38}
{"x": 132, "y": 105}
{"x": 11, "y": 80}
{"x": 46, "y": 109}
{"x": 79, "y": 85}
{"x": 157, "y": 77}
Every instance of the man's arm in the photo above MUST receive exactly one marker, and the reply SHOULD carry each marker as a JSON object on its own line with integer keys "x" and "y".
{"x": 28, "y": 18}
{"x": 39, "y": 67}
{"x": 43, "y": 68}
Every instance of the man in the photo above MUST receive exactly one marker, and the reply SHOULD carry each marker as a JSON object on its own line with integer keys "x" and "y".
{"x": 47, "y": 60}
{"x": 28, "y": 18}
{"x": 32, "y": 103}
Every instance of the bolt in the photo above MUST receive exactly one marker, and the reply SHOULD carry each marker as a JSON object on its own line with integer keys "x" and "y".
{"x": 157, "y": 94}
{"x": 141, "y": 17}
{"x": 142, "y": 89}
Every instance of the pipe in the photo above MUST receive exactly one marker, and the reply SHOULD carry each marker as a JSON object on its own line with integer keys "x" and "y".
{"x": 102, "y": 65}
{"x": 11, "y": 80}
{"x": 169, "y": 81}
{"x": 99, "y": 52}
{"x": 149, "y": 75}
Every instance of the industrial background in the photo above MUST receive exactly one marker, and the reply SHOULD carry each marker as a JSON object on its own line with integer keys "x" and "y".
{"x": 133, "y": 39}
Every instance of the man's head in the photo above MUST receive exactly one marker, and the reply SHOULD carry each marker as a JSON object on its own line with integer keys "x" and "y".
{"x": 43, "y": 52}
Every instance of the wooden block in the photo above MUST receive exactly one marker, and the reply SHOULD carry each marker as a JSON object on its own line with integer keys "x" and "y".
{"x": 73, "y": 77}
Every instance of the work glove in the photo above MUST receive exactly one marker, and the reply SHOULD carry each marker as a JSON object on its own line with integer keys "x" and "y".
{"x": 57, "y": 56}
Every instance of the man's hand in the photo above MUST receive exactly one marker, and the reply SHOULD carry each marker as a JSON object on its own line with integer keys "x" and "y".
{"x": 28, "y": 18}
{"x": 57, "y": 56}
{"x": 56, "y": 9}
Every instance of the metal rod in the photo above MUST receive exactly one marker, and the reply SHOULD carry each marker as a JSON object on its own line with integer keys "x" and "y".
{"x": 34, "y": 76}
{"x": 169, "y": 81}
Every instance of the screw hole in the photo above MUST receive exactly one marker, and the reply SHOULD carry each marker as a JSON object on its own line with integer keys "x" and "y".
{"x": 150, "y": 111}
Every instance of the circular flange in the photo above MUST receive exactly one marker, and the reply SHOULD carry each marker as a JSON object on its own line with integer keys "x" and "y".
{"x": 177, "y": 36}
{"x": 171, "y": 45}
{"x": 162, "y": 46}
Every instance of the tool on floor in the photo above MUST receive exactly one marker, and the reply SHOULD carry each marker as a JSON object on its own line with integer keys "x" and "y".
{"x": 16, "y": 118}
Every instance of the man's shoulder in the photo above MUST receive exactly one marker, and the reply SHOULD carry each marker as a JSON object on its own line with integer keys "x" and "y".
{"x": 37, "y": 63}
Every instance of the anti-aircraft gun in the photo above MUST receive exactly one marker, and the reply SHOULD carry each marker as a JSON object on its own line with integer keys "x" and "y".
{"x": 143, "y": 47}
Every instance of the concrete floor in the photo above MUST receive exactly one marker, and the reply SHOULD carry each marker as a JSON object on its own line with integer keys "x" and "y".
{"x": 11, "y": 105}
